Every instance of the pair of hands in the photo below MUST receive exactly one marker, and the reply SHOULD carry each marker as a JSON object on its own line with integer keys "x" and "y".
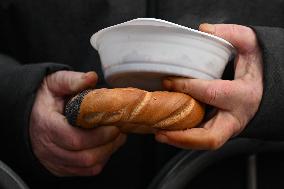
{"x": 69, "y": 151}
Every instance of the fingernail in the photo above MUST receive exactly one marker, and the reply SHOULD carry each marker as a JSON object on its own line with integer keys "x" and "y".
{"x": 208, "y": 28}
{"x": 162, "y": 138}
{"x": 86, "y": 75}
{"x": 167, "y": 84}
{"x": 90, "y": 78}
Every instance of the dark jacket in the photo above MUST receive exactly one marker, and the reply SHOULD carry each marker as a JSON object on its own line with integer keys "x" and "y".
{"x": 40, "y": 37}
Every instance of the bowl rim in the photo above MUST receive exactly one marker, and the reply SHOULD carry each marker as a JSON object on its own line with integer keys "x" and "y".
{"x": 154, "y": 22}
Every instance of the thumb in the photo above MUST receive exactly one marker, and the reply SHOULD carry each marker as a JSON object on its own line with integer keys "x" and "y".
{"x": 69, "y": 82}
{"x": 242, "y": 37}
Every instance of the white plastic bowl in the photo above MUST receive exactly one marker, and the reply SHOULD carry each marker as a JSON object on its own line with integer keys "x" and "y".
{"x": 141, "y": 52}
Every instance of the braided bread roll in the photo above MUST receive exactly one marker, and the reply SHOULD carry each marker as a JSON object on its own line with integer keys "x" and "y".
{"x": 134, "y": 110}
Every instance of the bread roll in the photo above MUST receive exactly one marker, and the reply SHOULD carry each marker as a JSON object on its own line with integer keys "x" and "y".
{"x": 134, "y": 110}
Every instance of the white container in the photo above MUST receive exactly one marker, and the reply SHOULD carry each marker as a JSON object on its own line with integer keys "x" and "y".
{"x": 141, "y": 52}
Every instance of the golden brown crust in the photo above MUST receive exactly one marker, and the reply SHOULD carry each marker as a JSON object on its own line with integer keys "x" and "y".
{"x": 139, "y": 111}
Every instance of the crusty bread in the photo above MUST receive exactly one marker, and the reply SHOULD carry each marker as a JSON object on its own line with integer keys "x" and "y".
{"x": 134, "y": 110}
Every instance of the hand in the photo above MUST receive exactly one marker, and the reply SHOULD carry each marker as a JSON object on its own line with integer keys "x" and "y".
{"x": 65, "y": 150}
{"x": 236, "y": 101}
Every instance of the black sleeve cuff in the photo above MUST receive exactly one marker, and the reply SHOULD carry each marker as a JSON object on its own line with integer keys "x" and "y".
{"x": 18, "y": 87}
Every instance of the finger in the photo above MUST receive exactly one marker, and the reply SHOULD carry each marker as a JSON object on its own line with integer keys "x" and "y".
{"x": 248, "y": 61}
{"x": 223, "y": 94}
{"x": 242, "y": 37}
{"x": 68, "y": 82}
{"x": 85, "y": 158}
{"x": 73, "y": 138}
{"x": 63, "y": 171}
{"x": 212, "y": 136}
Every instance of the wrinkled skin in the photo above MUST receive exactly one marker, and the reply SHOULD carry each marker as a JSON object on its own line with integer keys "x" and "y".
{"x": 62, "y": 149}
{"x": 236, "y": 101}
{"x": 69, "y": 151}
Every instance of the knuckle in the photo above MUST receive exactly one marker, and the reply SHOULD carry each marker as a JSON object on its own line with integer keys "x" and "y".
{"x": 181, "y": 85}
{"x": 87, "y": 159}
{"x": 184, "y": 86}
{"x": 211, "y": 94}
{"x": 249, "y": 35}
{"x": 220, "y": 89}
{"x": 227, "y": 89}
{"x": 247, "y": 30}
{"x": 60, "y": 171}
{"x": 113, "y": 132}
{"x": 233, "y": 29}
{"x": 74, "y": 143}
{"x": 71, "y": 84}
{"x": 214, "y": 143}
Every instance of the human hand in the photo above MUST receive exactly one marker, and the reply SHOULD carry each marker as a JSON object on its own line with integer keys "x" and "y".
{"x": 65, "y": 150}
{"x": 236, "y": 101}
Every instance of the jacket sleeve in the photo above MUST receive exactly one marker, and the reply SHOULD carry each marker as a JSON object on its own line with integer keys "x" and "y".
{"x": 268, "y": 122}
{"x": 18, "y": 87}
